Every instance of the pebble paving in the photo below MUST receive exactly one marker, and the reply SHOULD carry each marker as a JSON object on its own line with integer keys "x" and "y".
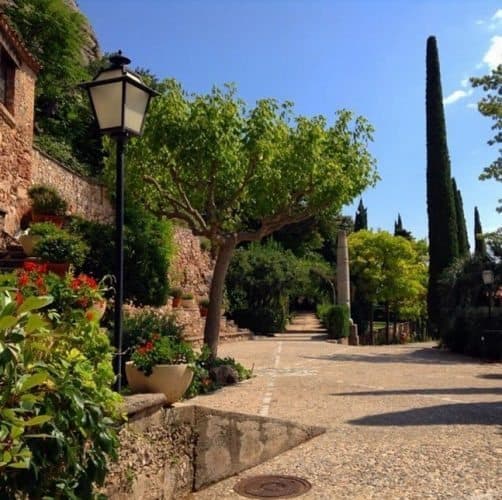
{"x": 403, "y": 421}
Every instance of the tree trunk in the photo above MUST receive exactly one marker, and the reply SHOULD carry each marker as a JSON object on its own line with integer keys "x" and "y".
{"x": 395, "y": 325}
{"x": 387, "y": 323}
{"x": 372, "y": 334}
{"x": 212, "y": 328}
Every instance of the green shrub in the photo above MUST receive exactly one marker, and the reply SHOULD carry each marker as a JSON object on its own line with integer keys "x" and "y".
{"x": 259, "y": 282}
{"x": 46, "y": 200}
{"x": 43, "y": 229}
{"x": 335, "y": 318}
{"x": 147, "y": 252}
{"x": 56, "y": 406}
{"x": 61, "y": 246}
{"x": 176, "y": 292}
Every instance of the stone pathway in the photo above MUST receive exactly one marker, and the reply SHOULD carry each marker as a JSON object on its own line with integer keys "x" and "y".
{"x": 403, "y": 422}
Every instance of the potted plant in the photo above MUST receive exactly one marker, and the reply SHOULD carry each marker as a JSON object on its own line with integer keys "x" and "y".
{"x": 161, "y": 364}
{"x": 47, "y": 205}
{"x": 33, "y": 234}
{"x": 203, "y": 306}
{"x": 176, "y": 294}
{"x": 59, "y": 250}
{"x": 88, "y": 294}
{"x": 187, "y": 300}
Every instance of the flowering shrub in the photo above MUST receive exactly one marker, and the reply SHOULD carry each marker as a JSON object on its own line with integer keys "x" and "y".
{"x": 157, "y": 350}
{"x": 72, "y": 296}
{"x": 57, "y": 410}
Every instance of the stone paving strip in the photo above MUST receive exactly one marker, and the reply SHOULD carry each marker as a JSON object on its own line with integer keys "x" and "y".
{"x": 403, "y": 421}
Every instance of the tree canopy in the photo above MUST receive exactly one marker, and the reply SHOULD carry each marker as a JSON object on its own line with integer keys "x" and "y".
{"x": 390, "y": 270}
{"x": 234, "y": 173}
{"x": 491, "y": 106}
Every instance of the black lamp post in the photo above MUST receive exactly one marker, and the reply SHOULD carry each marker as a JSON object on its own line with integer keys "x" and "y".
{"x": 119, "y": 102}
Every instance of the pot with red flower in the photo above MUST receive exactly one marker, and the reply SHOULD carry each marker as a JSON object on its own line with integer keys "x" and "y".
{"x": 59, "y": 249}
{"x": 161, "y": 364}
{"x": 176, "y": 294}
{"x": 203, "y": 306}
{"x": 88, "y": 294}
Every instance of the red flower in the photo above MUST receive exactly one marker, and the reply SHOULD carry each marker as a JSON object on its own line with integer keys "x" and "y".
{"x": 34, "y": 267}
{"x": 149, "y": 346}
{"x": 23, "y": 279}
{"x": 19, "y": 298}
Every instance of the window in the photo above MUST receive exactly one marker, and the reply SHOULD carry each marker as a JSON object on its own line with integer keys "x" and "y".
{"x": 7, "y": 73}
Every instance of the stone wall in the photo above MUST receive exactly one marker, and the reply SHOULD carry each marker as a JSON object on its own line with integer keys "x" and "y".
{"x": 16, "y": 137}
{"x": 86, "y": 197}
{"x": 192, "y": 267}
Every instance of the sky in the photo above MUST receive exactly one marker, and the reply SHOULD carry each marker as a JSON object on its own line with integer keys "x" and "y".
{"x": 364, "y": 55}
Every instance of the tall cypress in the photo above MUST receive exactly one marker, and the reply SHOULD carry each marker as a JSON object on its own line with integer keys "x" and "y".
{"x": 463, "y": 240}
{"x": 399, "y": 230}
{"x": 479, "y": 241}
{"x": 443, "y": 234}
{"x": 361, "y": 218}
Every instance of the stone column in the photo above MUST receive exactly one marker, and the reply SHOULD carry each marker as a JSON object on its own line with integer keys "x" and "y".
{"x": 343, "y": 281}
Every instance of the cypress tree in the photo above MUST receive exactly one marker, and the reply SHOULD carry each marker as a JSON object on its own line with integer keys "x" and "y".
{"x": 463, "y": 240}
{"x": 361, "y": 218}
{"x": 480, "y": 244}
{"x": 443, "y": 234}
{"x": 399, "y": 229}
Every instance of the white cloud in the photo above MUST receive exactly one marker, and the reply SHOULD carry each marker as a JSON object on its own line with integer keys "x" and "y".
{"x": 493, "y": 56}
{"x": 497, "y": 16}
{"x": 472, "y": 105}
{"x": 465, "y": 82}
{"x": 456, "y": 96}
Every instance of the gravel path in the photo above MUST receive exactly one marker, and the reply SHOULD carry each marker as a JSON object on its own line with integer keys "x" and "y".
{"x": 403, "y": 422}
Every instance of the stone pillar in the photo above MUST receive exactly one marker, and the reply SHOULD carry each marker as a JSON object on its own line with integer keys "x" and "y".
{"x": 342, "y": 271}
{"x": 343, "y": 281}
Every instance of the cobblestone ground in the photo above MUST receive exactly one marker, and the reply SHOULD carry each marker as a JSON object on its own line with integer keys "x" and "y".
{"x": 403, "y": 422}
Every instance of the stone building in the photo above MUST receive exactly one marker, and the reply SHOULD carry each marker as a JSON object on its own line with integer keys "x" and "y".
{"x": 18, "y": 72}
{"x": 22, "y": 165}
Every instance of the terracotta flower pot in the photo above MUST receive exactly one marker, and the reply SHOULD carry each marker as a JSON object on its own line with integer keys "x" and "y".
{"x": 176, "y": 301}
{"x": 97, "y": 310}
{"x": 203, "y": 311}
{"x": 57, "y": 220}
{"x": 28, "y": 242}
{"x": 171, "y": 380}
{"x": 59, "y": 268}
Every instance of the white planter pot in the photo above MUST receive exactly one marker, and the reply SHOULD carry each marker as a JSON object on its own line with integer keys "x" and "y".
{"x": 171, "y": 380}
{"x": 28, "y": 242}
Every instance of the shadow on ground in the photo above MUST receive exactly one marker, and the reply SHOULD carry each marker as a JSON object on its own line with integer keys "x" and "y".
{"x": 445, "y": 390}
{"x": 429, "y": 355}
{"x": 491, "y": 376}
{"x": 451, "y": 414}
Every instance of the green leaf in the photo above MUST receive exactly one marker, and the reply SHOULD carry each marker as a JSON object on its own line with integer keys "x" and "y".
{"x": 32, "y": 303}
{"x": 38, "y": 420}
{"x": 35, "y": 322}
{"x": 33, "y": 380}
{"x": 25, "y": 464}
{"x": 7, "y": 322}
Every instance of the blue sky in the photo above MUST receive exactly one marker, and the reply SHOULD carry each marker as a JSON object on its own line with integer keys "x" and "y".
{"x": 364, "y": 55}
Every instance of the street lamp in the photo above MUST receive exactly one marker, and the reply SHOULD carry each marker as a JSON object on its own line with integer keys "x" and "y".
{"x": 119, "y": 102}
{"x": 488, "y": 279}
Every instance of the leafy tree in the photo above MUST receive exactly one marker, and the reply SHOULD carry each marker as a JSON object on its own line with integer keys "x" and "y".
{"x": 443, "y": 239}
{"x": 491, "y": 106}
{"x": 235, "y": 174}
{"x": 399, "y": 229}
{"x": 479, "y": 245}
{"x": 389, "y": 270}
{"x": 361, "y": 218}
{"x": 463, "y": 240}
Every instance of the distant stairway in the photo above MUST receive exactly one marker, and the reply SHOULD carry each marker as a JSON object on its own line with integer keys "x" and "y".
{"x": 11, "y": 257}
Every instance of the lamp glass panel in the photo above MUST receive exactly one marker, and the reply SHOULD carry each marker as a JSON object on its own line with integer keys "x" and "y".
{"x": 107, "y": 100}
{"x": 136, "y": 103}
{"x": 487, "y": 277}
